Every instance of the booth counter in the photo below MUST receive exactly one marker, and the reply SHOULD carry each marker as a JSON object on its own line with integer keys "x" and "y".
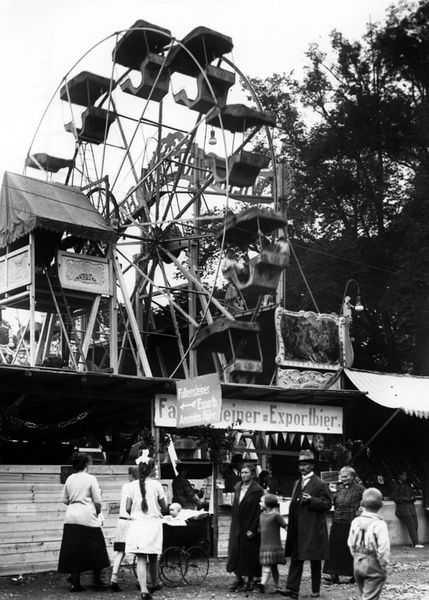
{"x": 397, "y": 530}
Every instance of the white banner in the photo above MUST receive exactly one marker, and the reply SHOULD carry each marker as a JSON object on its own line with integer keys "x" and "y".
{"x": 261, "y": 416}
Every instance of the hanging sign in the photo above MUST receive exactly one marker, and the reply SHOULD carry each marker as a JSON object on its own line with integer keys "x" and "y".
{"x": 199, "y": 401}
{"x": 252, "y": 415}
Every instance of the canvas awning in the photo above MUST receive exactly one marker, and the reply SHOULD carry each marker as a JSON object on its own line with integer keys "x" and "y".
{"x": 27, "y": 203}
{"x": 406, "y": 392}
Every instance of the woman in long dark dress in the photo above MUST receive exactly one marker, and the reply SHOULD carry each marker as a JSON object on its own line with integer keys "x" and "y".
{"x": 243, "y": 550}
{"x": 82, "y": 547}
{"x": 346, "y": 503}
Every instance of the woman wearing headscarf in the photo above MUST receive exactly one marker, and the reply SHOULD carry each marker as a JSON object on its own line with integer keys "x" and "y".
{"x": 346, "y": 502}
{"x": 82, "y": 547}
{"x": 243, "y": 550}
{"x": 145, "y": 504}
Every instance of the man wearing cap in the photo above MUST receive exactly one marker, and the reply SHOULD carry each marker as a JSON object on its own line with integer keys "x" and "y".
{"x": 307, "y": 536}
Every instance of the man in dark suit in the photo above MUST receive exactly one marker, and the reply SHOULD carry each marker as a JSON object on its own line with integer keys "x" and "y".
{"x": 307, "y": 535}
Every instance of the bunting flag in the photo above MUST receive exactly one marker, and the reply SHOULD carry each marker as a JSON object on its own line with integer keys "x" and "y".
{"x": 173, "y": 455}
{"x": 310, "y": 438}
{"x": 291, "y": 438}
{"x": 284, "y": 436}
{"x": 301, "y": 439}
{"x": 267, "y": 440}
{"x": 249, "y": 444}
{"x": 276, "y": 438}
{"x": 238, "y": 436}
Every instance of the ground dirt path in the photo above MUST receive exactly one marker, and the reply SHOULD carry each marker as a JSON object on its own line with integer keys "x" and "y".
{"x": 408, "y": 580}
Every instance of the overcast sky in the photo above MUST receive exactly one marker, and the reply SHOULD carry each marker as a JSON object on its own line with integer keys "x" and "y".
{"x": 41, "y": 39}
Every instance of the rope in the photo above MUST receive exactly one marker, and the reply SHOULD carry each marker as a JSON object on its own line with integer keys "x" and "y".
{"x": 307, "y": 285}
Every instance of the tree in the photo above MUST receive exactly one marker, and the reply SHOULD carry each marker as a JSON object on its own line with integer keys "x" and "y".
{"x": 359, "y": 184}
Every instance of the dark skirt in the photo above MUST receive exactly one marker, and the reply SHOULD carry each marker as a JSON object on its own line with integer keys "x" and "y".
{"x": 340, "y": 561}
{"x": 82, "y": 549}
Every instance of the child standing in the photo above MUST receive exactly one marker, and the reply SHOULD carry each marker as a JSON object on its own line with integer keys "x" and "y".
{"x": 271, "y": 552}
{"x": 370, "y": 546}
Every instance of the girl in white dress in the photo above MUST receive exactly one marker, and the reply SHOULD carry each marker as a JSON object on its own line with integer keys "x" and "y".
{"x": 145, "y": 504}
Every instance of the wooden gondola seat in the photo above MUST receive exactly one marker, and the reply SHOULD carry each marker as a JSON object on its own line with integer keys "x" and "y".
{"x": 94, "y": 127}
{"x": 264, "y": 273}
{"x": 239, "y": 118}
{"x": 220, "y": 80}
{"x": 244, "y": 168}
{"x": 141, "y": 39}
{"x": 242, "y": 371}
{"x": 243, "y": 229}
{"x": 239, "y": 342}
{"x": 46, "y": 162}
{"x": 150, "y": 81}
{"x": 202, "y": 44}
{"x": 85, "y": 88}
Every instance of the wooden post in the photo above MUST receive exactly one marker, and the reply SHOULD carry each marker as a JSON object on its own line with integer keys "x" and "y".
{"x": 32, "y": 322}
{"x": 113, "y": 345}
{"x": 155, "y": 436}
{"x": 215, "y": 507}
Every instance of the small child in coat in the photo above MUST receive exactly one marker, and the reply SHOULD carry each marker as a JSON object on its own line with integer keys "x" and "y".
{"x": 370, "y": 546}
{"x": 271, "y": 552}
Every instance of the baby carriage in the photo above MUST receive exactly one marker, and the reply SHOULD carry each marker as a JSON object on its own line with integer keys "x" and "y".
{"x": 185, "y": 552}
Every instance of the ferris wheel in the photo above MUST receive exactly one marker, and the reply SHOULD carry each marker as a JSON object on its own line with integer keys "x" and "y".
{"x": 173, "y": 150}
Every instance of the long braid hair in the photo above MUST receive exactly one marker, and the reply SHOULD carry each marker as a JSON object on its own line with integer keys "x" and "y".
{"x": 145, "y": 469}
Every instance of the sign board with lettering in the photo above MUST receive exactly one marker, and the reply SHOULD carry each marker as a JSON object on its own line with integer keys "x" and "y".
{"x": 261, "y": 416}
{"x": 84, "y": 273}
{"x": 199, "y": 401}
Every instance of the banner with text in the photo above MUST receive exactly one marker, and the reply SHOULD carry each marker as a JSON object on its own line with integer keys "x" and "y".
{"x": 261, "y": 416}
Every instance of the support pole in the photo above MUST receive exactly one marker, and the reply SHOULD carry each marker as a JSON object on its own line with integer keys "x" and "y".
{"x": 376, "y": 434}
{"x": 197, "y": 283}
{"x": 90, "y": 326}
{"x": 143, "y": 360}
{"x": 215, "y": 508}
{"x": 32, "y": 322}
{"x": 113, "y": 341}
{"x": 193, "y": 255}
{"x": 42, "y": 341}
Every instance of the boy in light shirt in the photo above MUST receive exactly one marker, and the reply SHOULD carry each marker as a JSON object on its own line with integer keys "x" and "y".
{"x": 370, "y": 546}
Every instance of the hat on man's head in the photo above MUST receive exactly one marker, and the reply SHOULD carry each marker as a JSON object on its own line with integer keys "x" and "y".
{"x": 306, "y": 456}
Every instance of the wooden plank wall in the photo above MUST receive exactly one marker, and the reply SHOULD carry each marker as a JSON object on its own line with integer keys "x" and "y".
{"x": 32, "y": 513}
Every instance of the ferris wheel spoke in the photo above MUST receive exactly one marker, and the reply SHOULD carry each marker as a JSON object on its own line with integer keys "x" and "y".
{"x": 175, "y": 325}
{"x": 125, "y": 142}
{"x": 162, "y": 67}
{"x": 179, "y": 172}
{"x": 194, "y": 279}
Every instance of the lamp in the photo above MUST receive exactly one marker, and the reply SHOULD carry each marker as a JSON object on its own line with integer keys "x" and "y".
{"x": 212, "y": 139}
{"x": 346, "y": 305}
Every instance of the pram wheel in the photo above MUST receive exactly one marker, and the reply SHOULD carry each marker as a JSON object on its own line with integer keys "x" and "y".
{"x": 172, "y": 566}
{"x": 196, "y": 565}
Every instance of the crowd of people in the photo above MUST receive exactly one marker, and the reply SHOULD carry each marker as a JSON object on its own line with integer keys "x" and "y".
{"x": 357, "y": 547}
